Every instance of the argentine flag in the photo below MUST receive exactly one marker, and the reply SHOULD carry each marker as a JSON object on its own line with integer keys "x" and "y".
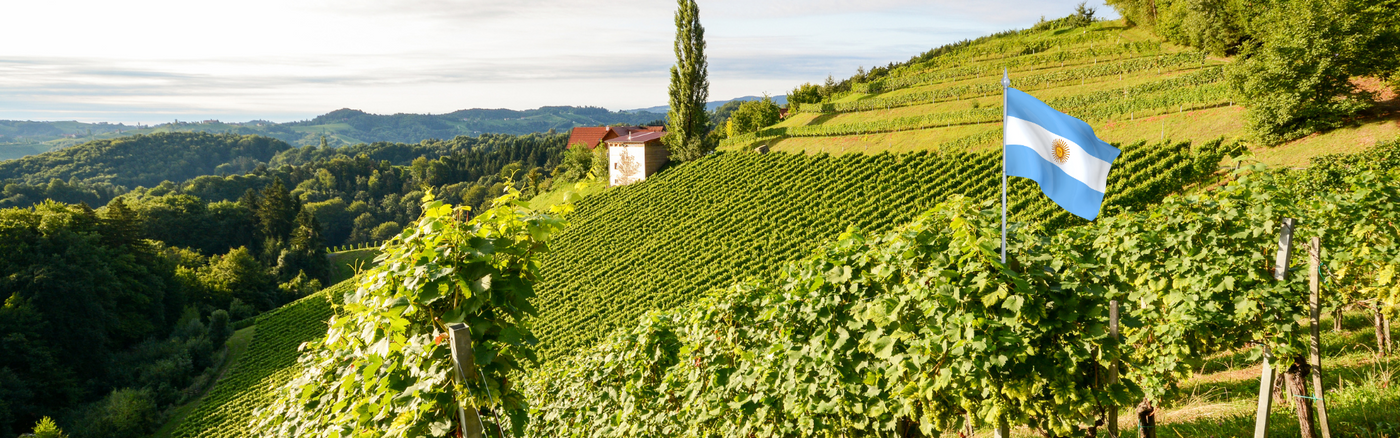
{"x": 1059, "y": 152}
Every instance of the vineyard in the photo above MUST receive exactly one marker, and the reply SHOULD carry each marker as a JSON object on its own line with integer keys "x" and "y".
{"x": 789, "y": 293}
{"x": 1099, "y": 73}
{"x": 922, "y": 331}
{"x": 271, "y": 361}
{"x": 662, "y": 242}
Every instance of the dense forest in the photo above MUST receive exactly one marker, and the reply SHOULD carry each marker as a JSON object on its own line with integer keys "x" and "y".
{"x": 104, "y": 327}
{"x": 360, "y": 193}
{"x": 155, "y": 277}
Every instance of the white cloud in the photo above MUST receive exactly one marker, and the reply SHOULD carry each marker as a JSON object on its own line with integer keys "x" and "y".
{"x": 294, "y": 59}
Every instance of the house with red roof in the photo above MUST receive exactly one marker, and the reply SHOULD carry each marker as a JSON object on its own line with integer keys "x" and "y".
{"x": 592, "y": 136}
{"x": 634, "y": 152}
{"x": 635, "y": 156}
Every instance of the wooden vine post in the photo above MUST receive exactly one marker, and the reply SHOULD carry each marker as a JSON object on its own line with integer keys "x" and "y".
{"x": 464, "y": 365}
{"x": 1112, "y": 419}
{"x": 1314, "y": 356}
{"x": 1266, "y": 376}
{"x": 1295, "y": 378}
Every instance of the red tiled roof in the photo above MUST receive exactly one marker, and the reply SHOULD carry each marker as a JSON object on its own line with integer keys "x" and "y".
{"x": 638, "y": 137}
{"x": 589, "y": 136}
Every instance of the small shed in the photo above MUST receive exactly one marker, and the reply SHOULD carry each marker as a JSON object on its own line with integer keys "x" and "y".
{"x": 635, "y": 156}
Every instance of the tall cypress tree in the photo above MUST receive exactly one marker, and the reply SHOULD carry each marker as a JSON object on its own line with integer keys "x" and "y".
{"x": 687, "y": 120}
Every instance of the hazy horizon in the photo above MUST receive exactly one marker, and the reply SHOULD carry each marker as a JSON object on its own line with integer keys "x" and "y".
{"x": 155, "y": 61}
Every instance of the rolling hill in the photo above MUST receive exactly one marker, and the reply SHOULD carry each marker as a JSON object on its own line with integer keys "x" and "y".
{"x": 712, "y": 105}
{"x": 340, "y": 127}
{"x": 661, "y": 242}
{"x": 1125, "y": 81}
{"x": 146, "y": 160}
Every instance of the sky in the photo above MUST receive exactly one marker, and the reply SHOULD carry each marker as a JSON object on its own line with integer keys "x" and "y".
{"x": 155, "y": 61}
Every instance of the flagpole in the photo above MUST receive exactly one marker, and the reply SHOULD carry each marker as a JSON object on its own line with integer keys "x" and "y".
{"x": 1005, "y": 84}
{"x": 1003, "y": 430}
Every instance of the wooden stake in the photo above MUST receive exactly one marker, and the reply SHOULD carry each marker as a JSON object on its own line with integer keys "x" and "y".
{"x": 1315, "y": 357}
{"x": 1285, "y": 249}
{"x": 1266, "y": 376}
{"x": 1113, "y": 368}
{"x": 464, "y": 365}
{"x": 1389, "y": 347}
{"x": 1266, "y": 400}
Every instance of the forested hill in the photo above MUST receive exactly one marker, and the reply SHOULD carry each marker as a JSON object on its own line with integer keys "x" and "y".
{"x": 339, "y": 127}
{"x": 348, "y": 124}
{"x": 353, "y": 191}
{"x": 146, "y": 160}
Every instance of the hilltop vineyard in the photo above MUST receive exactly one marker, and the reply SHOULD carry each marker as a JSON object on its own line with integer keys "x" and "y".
{"x": 659, "y": 243}
{"x": 1099, "y": 73}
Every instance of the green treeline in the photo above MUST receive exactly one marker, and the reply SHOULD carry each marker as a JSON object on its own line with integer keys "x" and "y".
{"x": 103, "y": 328}
{"x": 366, "y": 193}
{"x": 361, "y": 193}
{"x": 1298, "y": 61}
{"x": 146, "y": 160}
{"x": 113, "y": 314}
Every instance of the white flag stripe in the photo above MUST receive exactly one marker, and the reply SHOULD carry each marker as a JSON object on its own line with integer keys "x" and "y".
{"x": 1086, "y": 168}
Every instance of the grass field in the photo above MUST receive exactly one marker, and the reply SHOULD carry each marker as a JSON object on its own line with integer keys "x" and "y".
{"x": 345, "y": 264}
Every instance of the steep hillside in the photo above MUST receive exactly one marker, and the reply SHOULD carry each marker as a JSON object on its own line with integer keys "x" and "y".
{"x": 1126, "y": 82}
{"x": 661, "y": 242}
{"x": 271, "y": 360}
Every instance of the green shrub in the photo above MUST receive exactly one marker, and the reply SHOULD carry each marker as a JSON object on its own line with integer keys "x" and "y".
{"x": 751, "y": 116}
{"x": 46, "y": 428}
{"x": 125, "y": 413}
{"x": 219, "y": 330}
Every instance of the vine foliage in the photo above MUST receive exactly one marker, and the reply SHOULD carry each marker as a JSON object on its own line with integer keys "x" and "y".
{"x": 384, "y": 366}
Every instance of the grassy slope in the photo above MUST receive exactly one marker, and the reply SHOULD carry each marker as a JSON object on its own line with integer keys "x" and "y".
{"x": 1210, "y": 120}
{"x": 344, "y": 264}
{"x": 271, "y": 361}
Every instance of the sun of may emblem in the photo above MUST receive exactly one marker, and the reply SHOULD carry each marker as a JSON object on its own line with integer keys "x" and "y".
{"x": 1061, "y": 151}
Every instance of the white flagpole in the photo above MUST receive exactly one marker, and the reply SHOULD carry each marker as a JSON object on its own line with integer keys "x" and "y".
{"x": 1005, "y": 84}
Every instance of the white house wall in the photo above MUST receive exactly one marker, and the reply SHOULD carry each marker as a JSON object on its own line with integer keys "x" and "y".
{"x": 627, "y": 164}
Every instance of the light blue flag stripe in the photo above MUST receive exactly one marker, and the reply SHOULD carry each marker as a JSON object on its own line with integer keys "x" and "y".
{"x": 1059, "y": 152}
{"x": 1023, "y": 106}
{"x": 1071, "y": 194}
